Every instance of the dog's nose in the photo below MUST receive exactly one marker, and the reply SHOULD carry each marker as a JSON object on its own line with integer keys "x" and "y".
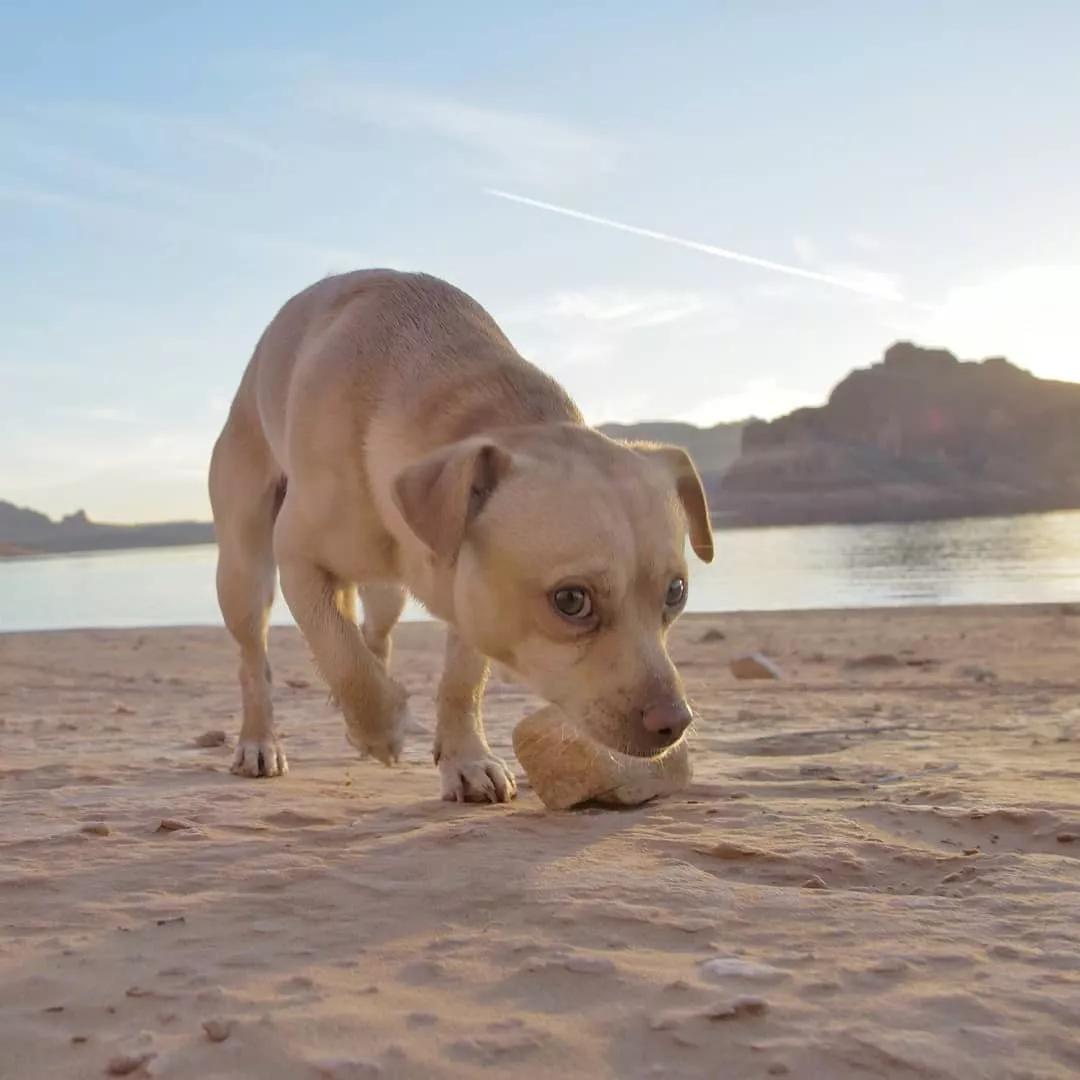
{"x": 667, "y": 720}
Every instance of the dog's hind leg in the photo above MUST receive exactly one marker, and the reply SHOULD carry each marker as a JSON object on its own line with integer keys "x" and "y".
{"x": 245, "y": 496}
{"x": 383, "y": 605}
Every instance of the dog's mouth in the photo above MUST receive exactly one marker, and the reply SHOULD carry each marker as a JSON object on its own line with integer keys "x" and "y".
{"x": 637, "y": 745}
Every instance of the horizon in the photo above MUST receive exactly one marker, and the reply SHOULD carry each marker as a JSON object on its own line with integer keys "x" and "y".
{"x": 692, "y": 215}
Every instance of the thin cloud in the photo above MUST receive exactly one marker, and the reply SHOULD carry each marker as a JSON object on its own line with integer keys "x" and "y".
{"x": 160, "y": 127}
{"x": 614, "y": 308}
{"x": 878, "y": 286}
{"x": 525, "y": 146}
{"x": 331, "y": 258}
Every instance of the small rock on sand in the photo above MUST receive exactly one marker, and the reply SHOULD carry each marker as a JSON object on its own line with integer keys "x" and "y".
{"x": 210, "y": 738}
{"x": 170, "y": 824}
{"x": 96, "y": 828}
{"x": 874, "y": 662}
{"x": 712, "y": 634}
{"x": 297, "y": 684}
{"x": 123, "y": 710}
{"x": 1067, "y": 837}
{"x": 727, "y": 967}
{"x": 814, "y": 883}
{"x": 978, "y": 673}
{"x": 754, "y": 666}
{"x": 724, "y": 1009}
{"x": 126, "y": 1064}
{"x": 725, "y": 849}
{"x": 217, "y": 1030}
{"x": 589, "y": 965}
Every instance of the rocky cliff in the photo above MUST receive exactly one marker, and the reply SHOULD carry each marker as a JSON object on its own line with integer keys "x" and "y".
{"x": 713, "y": 449}
{"x": 921, "y": 434}
{"x": 27, "y": 532}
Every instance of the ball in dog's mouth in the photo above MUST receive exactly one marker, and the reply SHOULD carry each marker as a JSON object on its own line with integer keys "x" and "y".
{"x": 566, "y": 767}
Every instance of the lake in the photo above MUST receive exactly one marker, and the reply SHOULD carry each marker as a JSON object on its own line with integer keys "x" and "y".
{"x": 1033, "y": 558}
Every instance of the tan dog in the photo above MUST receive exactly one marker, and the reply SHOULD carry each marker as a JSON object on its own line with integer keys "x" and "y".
{"x": 386, "y": 437}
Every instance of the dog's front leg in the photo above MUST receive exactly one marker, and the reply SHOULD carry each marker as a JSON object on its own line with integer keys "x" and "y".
{"x": 375, "y": 707}
{"x": 470, "y": 771}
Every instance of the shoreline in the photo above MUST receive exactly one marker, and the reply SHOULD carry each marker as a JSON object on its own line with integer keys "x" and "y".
{"x": 1065, "y": 608}
{"x": 721, "y": 521}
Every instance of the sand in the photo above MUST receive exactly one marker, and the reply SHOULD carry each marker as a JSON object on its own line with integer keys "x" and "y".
{"x": 876, "y": 872}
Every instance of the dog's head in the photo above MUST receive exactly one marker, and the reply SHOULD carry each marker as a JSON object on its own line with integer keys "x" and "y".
{"x": 567, "y": 556}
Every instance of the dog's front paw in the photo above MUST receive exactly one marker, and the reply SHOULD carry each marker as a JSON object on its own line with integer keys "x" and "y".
{"x": 259, "y": 757}
{"x": 380, "y": 734}
{"x": 474, "y": 774}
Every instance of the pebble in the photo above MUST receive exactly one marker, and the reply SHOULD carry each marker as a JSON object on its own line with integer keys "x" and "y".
{"x": 723, "y": 967}
{"x": 754, "y": 666}
{"x": 170, "y": 824}
{"x": 210, "y": 738}
{"x": 814, "y": 883}
{"x": 126, "y": 1064}
{"x": 890, "y": 966}
{"x": 712, "y": 634}
{"x": 1067, "y": 837}
{"x": 96, "y": 828}
{"x": 725, "y": 849}
{"x": 874, "y": 662}
{"x": 123, "y": 710}
{"x": 736, "y": 1008}
{"x": 217, "y": 1030}
{"x": 589, "y": 965}
{"x": 297, "y": 684}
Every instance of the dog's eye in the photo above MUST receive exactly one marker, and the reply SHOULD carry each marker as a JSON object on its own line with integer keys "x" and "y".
{"x": 573, "y": 601}
{"x": 676, "y": 593}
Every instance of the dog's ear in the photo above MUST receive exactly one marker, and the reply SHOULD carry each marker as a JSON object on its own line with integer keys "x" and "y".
{"x": 690, "y": 490}
{"x": 440, "y": 495}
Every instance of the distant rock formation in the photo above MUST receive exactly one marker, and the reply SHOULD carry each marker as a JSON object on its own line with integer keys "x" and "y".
{"x": 27, "y": 532}
{"x": 920, "y": 435}
{"x": 713, "y": 449}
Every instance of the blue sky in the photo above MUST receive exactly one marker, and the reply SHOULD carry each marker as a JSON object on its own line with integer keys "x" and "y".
{"x": 169, "y": 177}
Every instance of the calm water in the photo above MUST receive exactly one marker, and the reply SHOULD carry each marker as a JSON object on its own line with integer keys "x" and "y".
{"x": 1028, "y": 559}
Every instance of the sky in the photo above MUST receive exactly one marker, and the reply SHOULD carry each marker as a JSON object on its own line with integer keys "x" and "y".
{"x": 762, "y": 197}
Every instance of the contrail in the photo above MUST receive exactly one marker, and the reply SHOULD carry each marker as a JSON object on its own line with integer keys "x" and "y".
{"x": 881, "y": 293}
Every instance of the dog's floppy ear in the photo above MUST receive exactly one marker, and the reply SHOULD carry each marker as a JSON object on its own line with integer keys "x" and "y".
{"x": 691, "y": 493}
{"x": 440, "y": 494}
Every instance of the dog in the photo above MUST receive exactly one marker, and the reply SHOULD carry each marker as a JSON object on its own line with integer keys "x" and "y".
{"x": 386, "y": 439}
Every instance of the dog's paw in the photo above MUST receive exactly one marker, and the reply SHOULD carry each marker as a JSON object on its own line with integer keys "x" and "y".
{"x": 383, "y": 740}
{"x": 259, "y": 757}
{"x": 476, "y": 775}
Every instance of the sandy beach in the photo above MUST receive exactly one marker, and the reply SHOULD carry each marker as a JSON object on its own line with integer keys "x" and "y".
{"x": 876, "y": 872}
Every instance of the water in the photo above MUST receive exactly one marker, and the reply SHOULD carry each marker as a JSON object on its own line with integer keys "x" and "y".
{"x": 1027, "y": 559}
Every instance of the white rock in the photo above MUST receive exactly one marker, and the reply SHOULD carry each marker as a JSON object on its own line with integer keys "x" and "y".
{"x": 755, "y": 666}
{"x": 728, "y": 967}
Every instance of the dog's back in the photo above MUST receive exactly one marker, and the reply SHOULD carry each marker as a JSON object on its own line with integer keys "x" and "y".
{"x": 359, "y": 347}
